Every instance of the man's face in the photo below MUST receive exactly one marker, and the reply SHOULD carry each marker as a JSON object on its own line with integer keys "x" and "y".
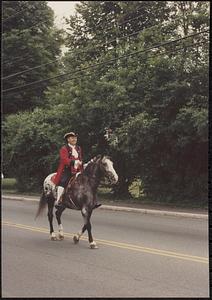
{"x": 72, "y": 140}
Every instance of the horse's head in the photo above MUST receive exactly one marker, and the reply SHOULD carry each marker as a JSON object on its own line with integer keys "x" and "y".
{"x": 106, "y": 166}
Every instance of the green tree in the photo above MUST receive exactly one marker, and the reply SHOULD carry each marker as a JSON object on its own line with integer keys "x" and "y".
{"x": 99, "y": 27}
{"x": 29, "y": 39}
{"x": 155, "y": 101}
{"x": 31, "y": 145}
{"x": 159, "y": 86}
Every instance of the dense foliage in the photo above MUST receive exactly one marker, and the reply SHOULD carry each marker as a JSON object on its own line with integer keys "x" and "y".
{"x": 29, "y": 39}
{"x": 155, "y": 101}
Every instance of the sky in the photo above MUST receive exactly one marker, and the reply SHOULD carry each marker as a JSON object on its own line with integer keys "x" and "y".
{"x": 62, "y": 9}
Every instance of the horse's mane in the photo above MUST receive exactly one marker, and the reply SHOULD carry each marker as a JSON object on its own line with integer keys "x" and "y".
{"x": 91, "y": 165}
{"x": 89, "y": 168}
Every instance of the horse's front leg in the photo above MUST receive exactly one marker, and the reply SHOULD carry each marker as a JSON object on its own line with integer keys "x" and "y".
{"x": 77, "y": 236}
{"x": 93, "y": 244}
{"x": 86, "y": 213}
{"x": 58, "y": 214}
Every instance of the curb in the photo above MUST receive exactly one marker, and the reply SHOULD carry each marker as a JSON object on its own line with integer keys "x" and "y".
{"x": 155, "y": 212}
{"x": 127, "y": 209}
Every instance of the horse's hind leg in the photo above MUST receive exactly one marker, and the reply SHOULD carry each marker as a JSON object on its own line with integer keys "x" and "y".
{"x": 58, "y": 214}
{"x": 50, "y": 217}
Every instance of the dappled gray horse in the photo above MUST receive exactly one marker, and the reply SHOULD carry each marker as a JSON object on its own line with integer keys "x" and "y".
{"x": 80, "y": 194}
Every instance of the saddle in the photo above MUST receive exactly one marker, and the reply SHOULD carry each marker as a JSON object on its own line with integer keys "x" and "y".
{"x": 71, "y": 181}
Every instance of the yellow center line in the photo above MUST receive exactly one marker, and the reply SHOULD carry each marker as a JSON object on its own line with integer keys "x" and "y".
{"x": 118, "y": 244}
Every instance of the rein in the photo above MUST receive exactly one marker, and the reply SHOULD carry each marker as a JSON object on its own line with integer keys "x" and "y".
{"x": 71, "y": 181}
{"x": 73, "y": 203}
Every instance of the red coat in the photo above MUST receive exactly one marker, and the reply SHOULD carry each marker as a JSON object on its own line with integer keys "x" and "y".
{"x": 67, "y": 159}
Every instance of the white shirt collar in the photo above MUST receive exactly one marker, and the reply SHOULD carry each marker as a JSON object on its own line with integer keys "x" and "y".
{"x": 74, "y": 151}
{"x": 72, "y": 146}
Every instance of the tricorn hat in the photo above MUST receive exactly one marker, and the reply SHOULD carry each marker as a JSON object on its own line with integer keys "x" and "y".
{"x": 70, "y": 134}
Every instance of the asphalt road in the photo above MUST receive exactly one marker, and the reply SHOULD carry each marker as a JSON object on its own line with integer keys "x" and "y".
{"x": 139, "y": 255}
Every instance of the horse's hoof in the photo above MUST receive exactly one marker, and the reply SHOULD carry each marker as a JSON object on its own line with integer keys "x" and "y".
{"x": 60, "y": 237}
{"x": 53, "y": 236}
{"x": 93, "y": 245}
{"x": 76, "y": 239}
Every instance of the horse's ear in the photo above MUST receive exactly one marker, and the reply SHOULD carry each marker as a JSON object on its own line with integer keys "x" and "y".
{"x": 96, "y": 157}
{"x": 104, "y": 158}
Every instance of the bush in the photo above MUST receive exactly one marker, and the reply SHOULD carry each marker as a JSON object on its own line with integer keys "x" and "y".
{"x": 31, "y": 146}
{"x": 9, "y": 184}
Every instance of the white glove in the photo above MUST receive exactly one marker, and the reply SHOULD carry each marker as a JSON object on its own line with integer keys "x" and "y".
{"x": 77, "y": 163}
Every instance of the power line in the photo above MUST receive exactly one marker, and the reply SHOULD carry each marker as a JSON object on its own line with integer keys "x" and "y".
{"x": 30, "y": 27}
{"x": 108, "y": 61}
{"x": 35, "y": 25}
{"x": 84, "y": 51}
{"x": 157, "y": 25}
{"x": 135, "y": 60}
{"x": 163, "y": 53}
{"x": 132, "y": 19}
{"x": 110, "y": 27}
{"x": 100, "y": 25}
{"x": 16, "y": 58}
{"x": 30, "y": 69}
{"x": 143, "y": 29}
{"x": 177, "y": 49}
{"x": 18, "y": 13}
{"x": 102, "y": 63}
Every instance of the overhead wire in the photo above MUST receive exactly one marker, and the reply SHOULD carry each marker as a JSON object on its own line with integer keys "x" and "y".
{"x": 108, "y": 42}
{"x": 111, "y": 28}
{"x": 147, "y": 28}
{"x": 104, "y": 62}
{"x": 135, "y": 18}
{"x": 18, "y": 13}
{"x": 120, "y": 63}
{"x": 35, "y": 25}
{"x": 30, "y": 69}
{"x": 84, "y": 51}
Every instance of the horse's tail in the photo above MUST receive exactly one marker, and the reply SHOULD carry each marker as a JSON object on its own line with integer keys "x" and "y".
{"x": 42, "y": 204}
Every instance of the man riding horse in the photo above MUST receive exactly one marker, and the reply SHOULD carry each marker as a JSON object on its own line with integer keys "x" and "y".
{"x": 70, "y": 164}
